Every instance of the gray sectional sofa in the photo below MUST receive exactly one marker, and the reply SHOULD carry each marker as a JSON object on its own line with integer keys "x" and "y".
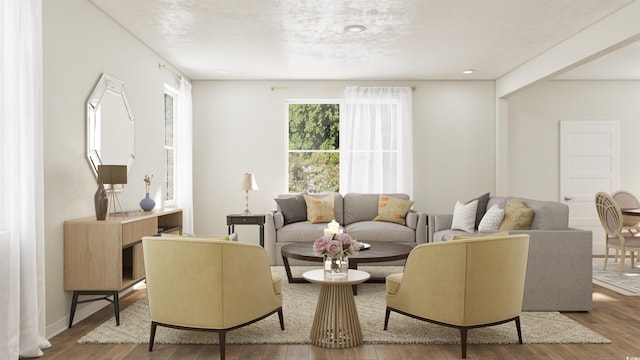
{"x": 353, "y": 211}
{"x": 559, "y": 266}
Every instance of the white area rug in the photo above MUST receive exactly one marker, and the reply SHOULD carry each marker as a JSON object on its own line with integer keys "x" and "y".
{"x": 626, "y": 284}
{"x": 299, "y": 307}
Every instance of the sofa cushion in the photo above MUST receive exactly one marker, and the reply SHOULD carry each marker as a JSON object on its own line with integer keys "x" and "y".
{"x": 293, "y": 208}
{"x": 492, "y": 219}
{"x": 320, "y": 210}
{"x": 517, "y": 216}
{"x": 366, "y": 231}
{"x": 392, "y": 209}
{"x": 363, "y": 207}
{"x": 301, "y": 231}
{"x": 464, "y": 216}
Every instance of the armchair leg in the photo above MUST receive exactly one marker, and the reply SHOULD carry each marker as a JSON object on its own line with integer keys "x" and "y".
{"x": 463, "y": 341}
{"x": 222, "y": 336}
{"x": 519, "y": 330}
{"x": 386, "y": 317}
{"x": 152, "y": 335}
{"x": 281, "y": 317}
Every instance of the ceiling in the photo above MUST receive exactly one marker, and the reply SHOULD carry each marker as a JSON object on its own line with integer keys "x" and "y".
{"x": 404, "y": 39}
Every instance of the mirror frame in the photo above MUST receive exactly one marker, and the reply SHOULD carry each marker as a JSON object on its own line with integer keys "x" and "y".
{"x": 106, "y": 84}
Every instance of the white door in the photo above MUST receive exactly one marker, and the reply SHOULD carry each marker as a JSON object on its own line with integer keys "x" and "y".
{"x": 589, "y": 162}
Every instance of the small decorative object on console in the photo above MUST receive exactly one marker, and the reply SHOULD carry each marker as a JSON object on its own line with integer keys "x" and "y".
{"x": 335, "y": 249}
{"x": 147, "y": 204}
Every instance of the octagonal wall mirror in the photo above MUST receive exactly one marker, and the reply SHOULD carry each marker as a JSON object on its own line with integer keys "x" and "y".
{"x": 110, "y": 125}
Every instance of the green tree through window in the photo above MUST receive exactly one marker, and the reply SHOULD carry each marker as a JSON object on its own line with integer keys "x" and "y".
{"x": 314, "y": 152}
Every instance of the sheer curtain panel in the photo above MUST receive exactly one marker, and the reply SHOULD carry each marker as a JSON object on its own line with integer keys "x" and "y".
{"x": 184, "y": 156}
{"x": 376, "y": 140}
{"x": 22, "y": 288}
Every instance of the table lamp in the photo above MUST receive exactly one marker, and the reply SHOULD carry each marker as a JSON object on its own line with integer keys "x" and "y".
{"x": 113, "y": 175}
{"x": 247, "y": 182}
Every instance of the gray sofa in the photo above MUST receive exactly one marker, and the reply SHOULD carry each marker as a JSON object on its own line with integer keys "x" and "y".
{"x": 354, "y": 212}
{"x": 559, "y": 266}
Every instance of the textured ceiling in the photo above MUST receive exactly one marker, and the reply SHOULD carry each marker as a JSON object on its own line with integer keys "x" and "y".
{"x": 405, "y": 39}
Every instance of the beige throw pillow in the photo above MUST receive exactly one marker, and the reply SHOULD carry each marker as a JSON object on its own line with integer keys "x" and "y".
{"x": 392, "y": 209}
{"x": 319, "y": 210}
{"x": 516, "y": 216}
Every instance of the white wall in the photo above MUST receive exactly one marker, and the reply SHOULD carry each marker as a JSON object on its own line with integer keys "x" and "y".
{"x": 240, "y": 126}
{"x": 534, "y": 131}
{"x": 81, "y": 43}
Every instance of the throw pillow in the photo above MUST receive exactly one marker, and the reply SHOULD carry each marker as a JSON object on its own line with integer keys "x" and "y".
{"x": 293, "y": 208}
{"x": 482, "y": 207}
{"x": 516, "y": 216}
{"x": 464, "y": 216}
{"x": 392, "y": 209}
{"x": 492, "y": 219}
{"x": 319, "y": 210}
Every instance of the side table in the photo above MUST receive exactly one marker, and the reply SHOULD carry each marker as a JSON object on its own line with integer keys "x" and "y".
{"x": 336, "y": 324}
{"x": 239, "y": 219}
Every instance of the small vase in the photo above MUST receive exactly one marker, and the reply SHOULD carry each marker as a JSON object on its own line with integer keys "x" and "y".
{"x": 336, "y": 267}
{"x": 147, "y": 204}
{"x": 101, "y": 202}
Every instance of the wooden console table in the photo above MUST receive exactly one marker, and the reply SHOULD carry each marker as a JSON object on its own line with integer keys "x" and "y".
{"x": 105, "y": 257}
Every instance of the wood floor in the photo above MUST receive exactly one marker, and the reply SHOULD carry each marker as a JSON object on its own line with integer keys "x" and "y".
{"x": 614, "y": 316}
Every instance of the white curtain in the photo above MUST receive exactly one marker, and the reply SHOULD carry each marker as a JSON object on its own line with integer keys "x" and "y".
{"x": 22, "y": 288}
{"x": 376, "y": 140}
{"x": 184, "y": 156}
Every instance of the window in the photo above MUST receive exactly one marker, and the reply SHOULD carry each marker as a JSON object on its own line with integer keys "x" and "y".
{"x": 170, "y": 110}
{"x": 314, "y": 151}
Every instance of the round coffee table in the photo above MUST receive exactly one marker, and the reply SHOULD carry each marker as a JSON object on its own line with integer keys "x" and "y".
{"x": 336, "y": 324}
{"x": 380, "y": 251}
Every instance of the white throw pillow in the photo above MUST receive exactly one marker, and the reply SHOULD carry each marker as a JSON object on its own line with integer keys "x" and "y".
{"x": 464, "y": 216}
{"x": 492, "y": 219}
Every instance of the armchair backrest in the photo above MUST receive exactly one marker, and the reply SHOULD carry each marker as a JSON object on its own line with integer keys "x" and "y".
{"x": 207, "y": 283}
{"x": 465, "y": 282}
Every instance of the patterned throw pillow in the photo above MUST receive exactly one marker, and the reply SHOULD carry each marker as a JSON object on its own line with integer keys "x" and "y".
{"x": 392, "y": 209}
{"x": 492, "y": 219}
{"x": 516, "y": 216}
{"x": 464, "y": 216}
{"x": 319, "y": 210}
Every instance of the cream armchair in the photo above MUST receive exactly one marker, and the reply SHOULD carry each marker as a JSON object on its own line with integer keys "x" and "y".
{"x": 208, "y": 284}
{"x": 464, "y": 284}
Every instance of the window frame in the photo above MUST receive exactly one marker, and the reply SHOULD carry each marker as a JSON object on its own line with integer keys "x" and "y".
{"x": 172, "y": 92}
{"x": 339, "y": 102}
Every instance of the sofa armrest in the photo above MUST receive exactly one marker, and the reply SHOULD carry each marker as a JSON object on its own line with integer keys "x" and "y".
{"x": 278, "y": 219}
{"x": 438, "y": 222}
{"x": 421, "y": 229}
{"x": 411, "y": 219}
{"x": 270, "y": 237}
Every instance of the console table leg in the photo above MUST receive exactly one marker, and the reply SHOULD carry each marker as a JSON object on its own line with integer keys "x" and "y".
{"x": 116, "y": 307}
{"x": 72, "y": 312}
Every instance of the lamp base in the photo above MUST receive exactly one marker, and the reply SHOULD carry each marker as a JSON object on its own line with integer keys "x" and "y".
{"x": 246, "y": 212}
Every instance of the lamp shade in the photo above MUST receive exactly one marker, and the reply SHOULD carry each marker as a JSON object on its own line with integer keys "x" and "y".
{"x": 248, "y": 182}
{"x": 112, "y": 174}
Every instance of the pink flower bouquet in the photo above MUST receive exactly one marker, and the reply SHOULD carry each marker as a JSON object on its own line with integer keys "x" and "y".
{"x": 335, "y": 245}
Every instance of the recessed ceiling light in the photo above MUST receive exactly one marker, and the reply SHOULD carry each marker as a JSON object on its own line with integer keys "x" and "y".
{"x": 355, "y": 28}
{"x": 468, "y": 71}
